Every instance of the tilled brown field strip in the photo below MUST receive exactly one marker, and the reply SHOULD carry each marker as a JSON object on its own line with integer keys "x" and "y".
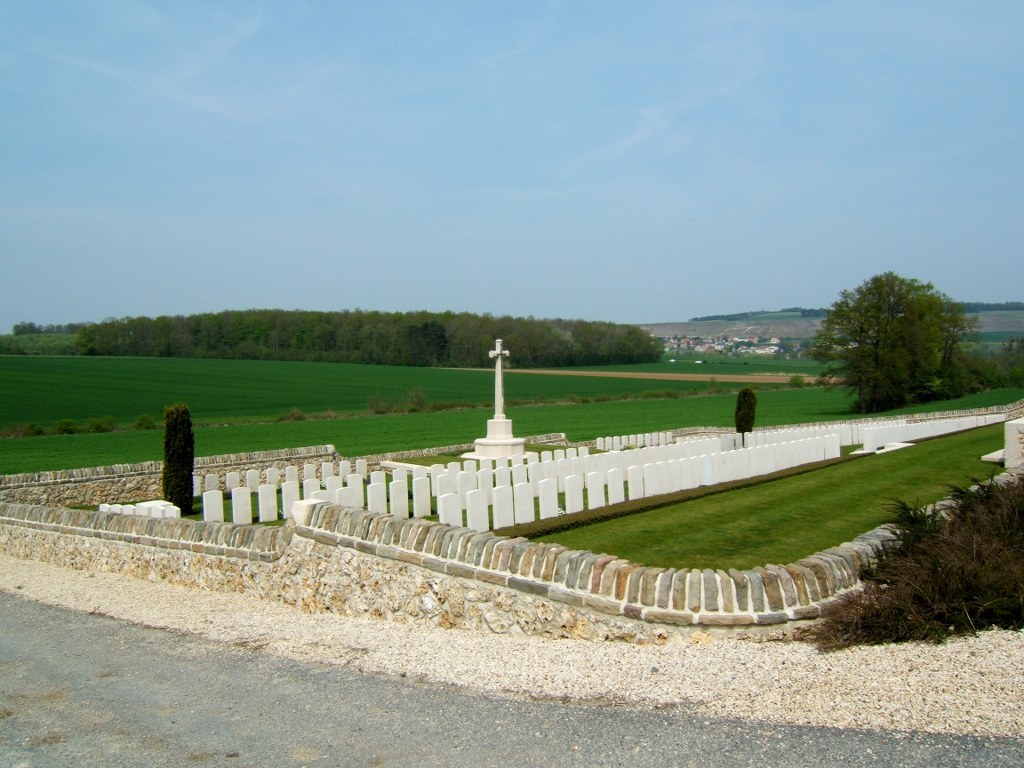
{"x": 739, "y": 378}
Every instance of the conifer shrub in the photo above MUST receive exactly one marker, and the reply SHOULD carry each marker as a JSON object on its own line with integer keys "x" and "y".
{"x": 954, "y": 571}
{"x": 746, "y": 410}
{"x": 179, "y": 456}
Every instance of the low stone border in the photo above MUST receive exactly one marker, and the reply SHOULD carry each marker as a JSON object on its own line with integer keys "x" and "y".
{"x": 773, "y": 594}
{"x": 248, "y": 542}
{"x": 351, "y": 562}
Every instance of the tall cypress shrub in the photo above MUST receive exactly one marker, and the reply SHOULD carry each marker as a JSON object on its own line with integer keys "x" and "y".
{"x": 746, "y": 409}
{"x": 179, "y": 457}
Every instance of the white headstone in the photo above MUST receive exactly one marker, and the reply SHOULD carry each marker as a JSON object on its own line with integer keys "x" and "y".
{"x": 241, "y": 506}
{"x": 573, "y": 494}
{"x": 616, "y": 486}
{"x": 268, "y": 502}
{"x": 635, "y": 480}
{"x": 213, "y": 506}
{"x": 252, "y": 480}
{"x": 399, "y": 497}
{"x": 289, "y": 494}
{"x": 449, "y": 510}
{"x": 504, "y": 512}
{"x": 547, "y": 494}
{"x": 377, "y": 498}
{"x": 522, "y": 499}
{"x": 595, "y": 490}
{"x": 421, "y": 496}
{"x": 476, "y": 510}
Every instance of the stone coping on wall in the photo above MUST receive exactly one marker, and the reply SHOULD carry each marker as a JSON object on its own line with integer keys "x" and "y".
{"x": 248, "y": 542}
{"x": 773, "y": 594}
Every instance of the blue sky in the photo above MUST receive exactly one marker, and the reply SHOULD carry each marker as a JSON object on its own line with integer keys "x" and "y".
{"x": 633, "y": 162}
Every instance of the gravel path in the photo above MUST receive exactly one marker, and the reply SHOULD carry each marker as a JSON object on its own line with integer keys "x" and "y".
{"x": 971, "y": 686}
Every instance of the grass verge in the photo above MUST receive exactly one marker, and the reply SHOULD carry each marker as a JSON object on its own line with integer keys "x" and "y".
{"x": 783, "y": 520}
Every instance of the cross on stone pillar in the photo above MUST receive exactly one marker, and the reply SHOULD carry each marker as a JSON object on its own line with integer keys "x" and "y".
{"x": 497, "y": 354}
{"x": 499, "y": 441}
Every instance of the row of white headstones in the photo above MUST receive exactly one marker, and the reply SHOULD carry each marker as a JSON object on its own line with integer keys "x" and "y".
{"x": 484, "y": 494}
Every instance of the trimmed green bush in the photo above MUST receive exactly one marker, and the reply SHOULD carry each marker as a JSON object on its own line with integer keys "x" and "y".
{"x": 746, "y": 409}
{"x": 179, "y": 456}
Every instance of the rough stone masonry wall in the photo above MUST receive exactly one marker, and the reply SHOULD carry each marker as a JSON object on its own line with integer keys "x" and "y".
{"x": 297, "y": 570}
{"x": 356, "y": 563}
{"x": 352, "y": 562}
{"x": 97, "y": 485}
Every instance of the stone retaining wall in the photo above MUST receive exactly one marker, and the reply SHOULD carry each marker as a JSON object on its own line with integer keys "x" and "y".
{"x": 352, "y": 562}
{"x": 97, "y": 485}
{"x": 770, "y": 595}
{"x": 331, "y": 558}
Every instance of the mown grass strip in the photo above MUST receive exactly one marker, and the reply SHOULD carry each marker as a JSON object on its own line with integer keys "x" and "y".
{"x": 784, "y": 520}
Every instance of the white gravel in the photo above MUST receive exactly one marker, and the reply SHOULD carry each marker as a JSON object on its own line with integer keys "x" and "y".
{"x": 966, "y": 686}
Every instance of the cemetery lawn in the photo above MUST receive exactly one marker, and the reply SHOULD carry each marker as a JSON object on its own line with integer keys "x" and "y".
{"x": 784, "y": 520}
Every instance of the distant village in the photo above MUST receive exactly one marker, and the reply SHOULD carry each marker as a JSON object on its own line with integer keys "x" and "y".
{"x": 760, "y": 346}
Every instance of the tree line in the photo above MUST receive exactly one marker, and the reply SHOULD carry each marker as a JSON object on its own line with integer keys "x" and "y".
{"x": 423, "y": 338}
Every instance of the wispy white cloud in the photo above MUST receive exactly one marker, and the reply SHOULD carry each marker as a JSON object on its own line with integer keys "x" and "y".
{"x": 193, "y": 82}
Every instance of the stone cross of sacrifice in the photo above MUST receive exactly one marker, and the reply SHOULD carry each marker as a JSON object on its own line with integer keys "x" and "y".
{"x": 497, "y": 354}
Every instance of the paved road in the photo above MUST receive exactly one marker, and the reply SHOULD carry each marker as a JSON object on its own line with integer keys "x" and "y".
{"x": 82, "y": 690}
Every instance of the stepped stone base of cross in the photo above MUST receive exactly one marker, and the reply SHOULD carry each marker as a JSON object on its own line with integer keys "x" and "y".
{"x": 498, "y": 443}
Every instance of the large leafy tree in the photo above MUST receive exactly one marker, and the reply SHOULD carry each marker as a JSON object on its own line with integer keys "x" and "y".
{"x": 893, "y": 341}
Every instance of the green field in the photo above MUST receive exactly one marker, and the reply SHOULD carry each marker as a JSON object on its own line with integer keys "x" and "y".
{"x": 45, "y": 390}
{"x": 237, "y": 406}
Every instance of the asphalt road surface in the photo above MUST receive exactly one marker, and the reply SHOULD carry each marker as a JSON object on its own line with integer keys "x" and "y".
{"x": 85, "y": 690}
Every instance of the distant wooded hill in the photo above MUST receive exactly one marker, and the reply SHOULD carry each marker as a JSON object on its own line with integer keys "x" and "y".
{"x": 410, "y": 338}
{"x": 971, "y": 307}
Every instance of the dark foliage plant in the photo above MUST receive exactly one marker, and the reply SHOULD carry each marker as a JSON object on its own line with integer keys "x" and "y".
{"x": 746, "y": 410}
{"x": 179, "y": 456}
{"x": 957, "y": 570}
